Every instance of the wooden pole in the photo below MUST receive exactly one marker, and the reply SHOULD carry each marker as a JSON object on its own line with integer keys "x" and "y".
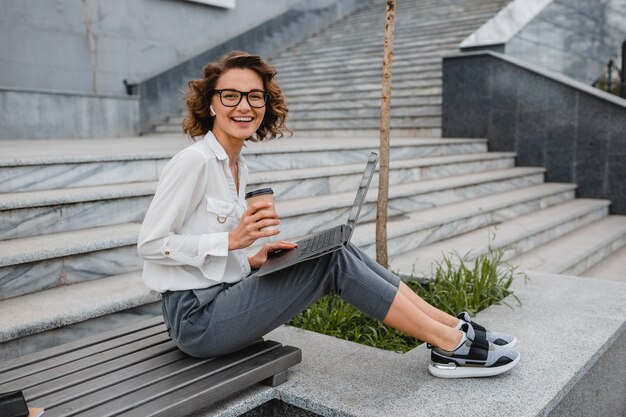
{"x": 383, "y": 176}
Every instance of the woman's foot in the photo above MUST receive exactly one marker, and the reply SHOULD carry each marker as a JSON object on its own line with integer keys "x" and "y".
{"x": 497, "y": 338}
{"x": 474, "y": 357}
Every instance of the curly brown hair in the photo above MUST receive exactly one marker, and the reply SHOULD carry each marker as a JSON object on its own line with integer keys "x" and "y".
{"x": 198, "y": 121}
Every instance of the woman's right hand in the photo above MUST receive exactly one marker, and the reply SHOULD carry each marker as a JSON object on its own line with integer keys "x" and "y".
{"x": 259, "y": 215}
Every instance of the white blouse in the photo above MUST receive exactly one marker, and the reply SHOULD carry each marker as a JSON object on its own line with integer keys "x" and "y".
{"x": 184, "y": 236}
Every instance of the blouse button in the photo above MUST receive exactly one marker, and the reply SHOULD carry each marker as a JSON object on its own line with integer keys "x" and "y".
{"x": 166, "y": 253}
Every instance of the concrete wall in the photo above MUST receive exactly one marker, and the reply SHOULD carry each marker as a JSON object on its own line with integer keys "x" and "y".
{"x": 36, "y": 114}
{"x": 162, "y": 95}
{"x": 578, "y": 133}
{"x": 572, "y": 37}
{"x": 44, "y": 43}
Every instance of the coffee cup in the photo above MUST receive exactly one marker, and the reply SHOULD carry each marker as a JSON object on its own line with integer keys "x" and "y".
{"x": 262, "y": 194}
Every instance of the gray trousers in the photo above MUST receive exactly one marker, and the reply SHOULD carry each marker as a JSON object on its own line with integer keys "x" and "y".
{"x": 228, "y": 317}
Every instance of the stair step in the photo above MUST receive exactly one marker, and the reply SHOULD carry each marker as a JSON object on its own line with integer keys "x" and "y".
{"x": 347, "y": 63}
{"x": 355, "y": 80}
{"x": 612, "y": 267}
{"x": 374, "y": 31}
{"x": 36, "y": 263}
{"x": 576, "y": 252}
{"x": 307, "y": 215}
{"x": 519, "y": 235}
{"x": 307, "y": 153}
{"x": 51, "y": 211}
{"x": 57, "y": 307}
{"x": 58, "y": 163}
{"x": 428, "y": 226}
{"x": 367, "y": 123}
{"x": 124, "y": 160}
{"x": 403, "y": 64}
{"x": 34, "y": 213}
{"x": 398, "y": 71}
{"x": 373, "y": 93}
{"x": 319, "y": 181}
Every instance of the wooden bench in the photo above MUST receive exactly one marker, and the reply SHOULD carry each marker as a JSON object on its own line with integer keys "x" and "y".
{"x": 138, "y": 371}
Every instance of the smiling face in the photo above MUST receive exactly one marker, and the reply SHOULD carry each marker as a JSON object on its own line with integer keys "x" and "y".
{"x": 240, "y": 122}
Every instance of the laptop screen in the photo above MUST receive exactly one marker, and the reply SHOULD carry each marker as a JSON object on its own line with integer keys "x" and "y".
{"x": 362, "y": 191}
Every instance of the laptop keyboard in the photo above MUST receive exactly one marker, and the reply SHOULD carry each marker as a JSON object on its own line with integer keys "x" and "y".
{"x": 316, "y": 242}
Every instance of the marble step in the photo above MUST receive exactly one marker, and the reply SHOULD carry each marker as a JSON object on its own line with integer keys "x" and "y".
{"x": 373, "y": 84}
{"x": 350, "y": 62}
{"x": 356, "y": 96}
{"x": 65, "y": 163}
{"x": 613, "y": 267}
{"x": 373, "y": 28}
{"x": 57, "y": 307}
{"x": 400, "y": 79}
{"x": 310, "y": 182}
{"x": 299, "y": 77}
{"x": 368, "y": 112}
{"x": 376, "y": 49}
{"x": 36, "y": 263}
{"x": 518, "y": 235}
{"x": 338, "y": 114}
{"x": 34, "y": 213}
{"x": 396, "y": 102}
{"x": 326, "y": 42}
{"x": 368, "y": 123}
{"x": 422, "y": 227}
{"x": 297, "y": 106}
{"x": 421, "y": 125}
{"x": 576, "y": 252}
{"x": 307, "y": 215}
{"x": 334, "y": 134}
{"x": 59, "y": 163}
{"x": 371, "y": 66}
{"x": 32, "y": 264}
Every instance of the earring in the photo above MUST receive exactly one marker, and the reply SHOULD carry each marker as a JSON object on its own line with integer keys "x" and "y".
{"x": 211, "y": 110}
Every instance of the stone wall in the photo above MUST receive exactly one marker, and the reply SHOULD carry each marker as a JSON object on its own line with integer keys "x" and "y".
{"x": 576, "y": 132}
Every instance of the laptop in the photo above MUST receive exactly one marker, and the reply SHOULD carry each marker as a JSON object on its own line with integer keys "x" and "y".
{"x": 325, "y": 241}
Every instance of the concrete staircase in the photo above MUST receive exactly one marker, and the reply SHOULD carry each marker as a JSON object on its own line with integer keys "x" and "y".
{"x": 332, "y": 81}
{"x": 71, "y": 211}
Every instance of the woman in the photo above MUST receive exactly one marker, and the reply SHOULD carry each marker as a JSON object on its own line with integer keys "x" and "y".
{"x": 194, "y": 236}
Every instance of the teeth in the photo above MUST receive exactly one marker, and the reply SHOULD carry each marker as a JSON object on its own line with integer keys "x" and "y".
{"x": 242, "y": 119}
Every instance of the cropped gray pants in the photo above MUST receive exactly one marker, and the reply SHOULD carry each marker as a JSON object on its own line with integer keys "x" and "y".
{"x": 227, "y": 317}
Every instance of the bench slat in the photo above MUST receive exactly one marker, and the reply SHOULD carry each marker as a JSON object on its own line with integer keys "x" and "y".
{"x": 79, "y": 344}
{"x": 164, "y": 379}
{"x": 53, "y": 370}
{"x": 193, "y": 398}
{"x": 84, "y": 376}
{"x": 113, "y": 384}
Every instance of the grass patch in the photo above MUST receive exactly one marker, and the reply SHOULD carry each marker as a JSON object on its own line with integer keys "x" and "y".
{"x": 455, "y": 285}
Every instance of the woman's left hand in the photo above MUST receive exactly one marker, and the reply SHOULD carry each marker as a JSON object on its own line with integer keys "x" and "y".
{"x": 261, "y": 256}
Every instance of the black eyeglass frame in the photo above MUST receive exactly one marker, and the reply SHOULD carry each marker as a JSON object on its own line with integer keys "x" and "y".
{"x": 241, "y": 95}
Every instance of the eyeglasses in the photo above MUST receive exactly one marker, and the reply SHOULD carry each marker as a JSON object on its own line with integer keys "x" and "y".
{"x": 232, "y": 98}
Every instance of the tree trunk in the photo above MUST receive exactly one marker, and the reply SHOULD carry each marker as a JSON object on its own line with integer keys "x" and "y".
{"x": 383, "y": 176}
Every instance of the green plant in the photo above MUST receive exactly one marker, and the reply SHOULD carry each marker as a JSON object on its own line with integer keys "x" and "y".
{"x": 455, "y": 285}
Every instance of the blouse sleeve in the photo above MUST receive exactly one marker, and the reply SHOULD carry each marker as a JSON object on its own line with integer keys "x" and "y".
{"x": 180, "y": 190}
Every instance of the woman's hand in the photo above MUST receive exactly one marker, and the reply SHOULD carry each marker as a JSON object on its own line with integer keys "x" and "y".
{"x": 256, "y": 217}
{"x": 261, "y": 256}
